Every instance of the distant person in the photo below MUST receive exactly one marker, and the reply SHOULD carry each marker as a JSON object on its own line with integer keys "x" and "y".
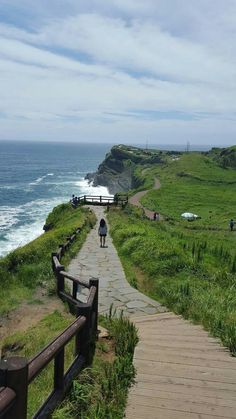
{"x": 231, "y": 224}
{"x": 102, "y": 231}
{"x": 156, "y": 216}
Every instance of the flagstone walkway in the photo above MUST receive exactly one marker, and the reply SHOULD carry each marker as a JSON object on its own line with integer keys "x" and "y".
{"x": 104, "y": 263}
{"x": 182, "y": 373}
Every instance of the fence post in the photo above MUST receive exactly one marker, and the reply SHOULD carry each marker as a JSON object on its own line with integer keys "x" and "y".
{"x": 62, "y": 249}
{"x": 14, "y": 374}
{"x": 95, "y": 282}
{"x": 54, "y": 254}
{"x": 74, "y": 290}
{"x": 60, "y": 279}
{"x": 82, "y": 340}
{"x": 59, "y": 370}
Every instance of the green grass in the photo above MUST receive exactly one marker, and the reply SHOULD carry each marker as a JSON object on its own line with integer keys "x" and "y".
{"x": 24, "y": 269}
{"x": 191, "y": 273}
{"x": 194, "y": 183}
{"x": 28, "y": 343}
{"x": 101, "y": 391}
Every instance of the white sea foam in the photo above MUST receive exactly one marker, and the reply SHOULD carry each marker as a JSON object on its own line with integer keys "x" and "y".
{"x": 21, "y": 236}
{"x": 40, "y": 179}
{"x": 9, "y": 187}
{"x": 32, "y": 215}
{"x": 32, "y": 218}
{"x": 9, "y": 217}
{"x": 87, "y": 189}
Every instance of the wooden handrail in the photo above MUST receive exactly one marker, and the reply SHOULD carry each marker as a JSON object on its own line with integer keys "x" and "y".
{"x": 7, "y": 397}
{"x": 100, "y": 200}
{"x": 42, "y": 359}
{"x": 75, "y": 279}
{"x": 17, "y": 373}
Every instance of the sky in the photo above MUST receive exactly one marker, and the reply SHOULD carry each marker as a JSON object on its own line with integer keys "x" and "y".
{"x": 118, "y": 71}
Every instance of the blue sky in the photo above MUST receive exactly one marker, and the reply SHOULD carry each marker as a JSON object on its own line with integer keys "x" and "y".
{"x": 118, "y": 71}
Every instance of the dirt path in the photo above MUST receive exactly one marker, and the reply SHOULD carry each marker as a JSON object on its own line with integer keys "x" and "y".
{"x": 29, "y": 313}
{"x": 135, "y": 199}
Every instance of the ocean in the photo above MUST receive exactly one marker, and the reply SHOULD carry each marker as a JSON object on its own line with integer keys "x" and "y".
{"x": 34, "y": 178}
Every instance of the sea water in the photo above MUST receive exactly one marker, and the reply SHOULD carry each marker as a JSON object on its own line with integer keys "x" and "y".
{"x": 34, "y": 178}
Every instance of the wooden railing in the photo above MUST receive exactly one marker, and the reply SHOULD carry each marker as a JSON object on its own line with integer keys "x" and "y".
{"x": 17, "y": 373}
{"x": 103, "y": 200}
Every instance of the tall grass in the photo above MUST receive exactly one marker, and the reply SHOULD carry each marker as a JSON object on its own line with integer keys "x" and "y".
{"x": 101, "y": 391}
{"x": 190, "y": 275}
{"x": 27, "y": 267}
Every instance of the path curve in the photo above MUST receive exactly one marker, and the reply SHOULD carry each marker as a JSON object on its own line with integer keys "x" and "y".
{"x": 135, "y": 199}
{"x": 104, "y": 263}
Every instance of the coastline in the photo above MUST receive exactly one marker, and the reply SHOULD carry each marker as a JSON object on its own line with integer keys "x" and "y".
{"x": 26, "y": 233}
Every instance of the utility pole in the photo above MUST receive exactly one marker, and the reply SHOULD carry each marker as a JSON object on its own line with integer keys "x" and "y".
{"x": 188, "y": 147}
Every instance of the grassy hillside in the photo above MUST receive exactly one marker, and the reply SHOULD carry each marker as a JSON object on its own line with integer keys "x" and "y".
{"x": 22, "y": 270}
{"x": 189, "y": 266}
{"x": 194, "y": 183}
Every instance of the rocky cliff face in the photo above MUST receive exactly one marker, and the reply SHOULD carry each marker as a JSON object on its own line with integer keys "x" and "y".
{"x": 116, "y": 172}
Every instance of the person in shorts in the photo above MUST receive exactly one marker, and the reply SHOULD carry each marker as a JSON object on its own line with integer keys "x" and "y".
{"x": 102, "y": 231}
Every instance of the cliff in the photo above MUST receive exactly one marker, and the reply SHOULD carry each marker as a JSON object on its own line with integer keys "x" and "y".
{"x": 117, "y": 171}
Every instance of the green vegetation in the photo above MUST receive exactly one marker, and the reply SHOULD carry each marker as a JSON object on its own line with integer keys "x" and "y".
{"x": 32, "y": 341}
{"x": 194, "y": 183}
{"x": 101, "y": 391}
{"x": 24, "y": 269}
{"x": 188, "y": 266}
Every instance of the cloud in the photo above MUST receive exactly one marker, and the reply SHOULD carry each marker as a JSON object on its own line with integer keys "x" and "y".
{"x": 113, "y": 67}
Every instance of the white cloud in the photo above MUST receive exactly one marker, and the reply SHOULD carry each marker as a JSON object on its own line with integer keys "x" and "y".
{"x": 92, "y": 72}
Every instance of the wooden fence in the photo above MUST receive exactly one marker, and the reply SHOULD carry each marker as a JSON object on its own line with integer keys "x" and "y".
{"x": 17, "y": 373}
{"x": 103, "y": 200}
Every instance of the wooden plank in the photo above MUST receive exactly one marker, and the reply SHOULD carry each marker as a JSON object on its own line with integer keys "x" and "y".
{"x": 183, "y": 396}
{"x": 208, "y": 346}
{"x": 185, "y": 386}
{"x": 189, "y": 371}
{"x": 147, "y": 412}
{"x": 216, "y": 353}
{"x": 188, "y": 381}
{"x": 184, "y": 358}
{"x": 185, "y": 406}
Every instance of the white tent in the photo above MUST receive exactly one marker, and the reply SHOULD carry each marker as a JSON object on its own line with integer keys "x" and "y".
{"x": 189, "y": 216}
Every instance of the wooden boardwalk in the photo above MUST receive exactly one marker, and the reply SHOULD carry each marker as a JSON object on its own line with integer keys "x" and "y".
{"x": 182, "y": 373}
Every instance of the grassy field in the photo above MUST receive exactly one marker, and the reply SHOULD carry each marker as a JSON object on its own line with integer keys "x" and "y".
{"x": 24, "y": 269}
{"x": 188, "y": 266}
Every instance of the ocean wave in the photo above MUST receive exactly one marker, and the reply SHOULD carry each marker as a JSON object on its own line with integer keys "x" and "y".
{"x": 9, "y": 187}
{"x": 19, "y": 225}
{"x": 21, "y": 236}
{"x": 9, "y": 217}
{"x": 40, "y": 179}
{"x": 87, "y": 189}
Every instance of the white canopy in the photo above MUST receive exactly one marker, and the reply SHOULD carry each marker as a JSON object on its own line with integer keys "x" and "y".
{"x": 189, "y": 216}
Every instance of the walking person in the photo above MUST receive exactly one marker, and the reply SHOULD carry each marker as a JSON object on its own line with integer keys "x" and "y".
{"x": 231, "y": 224}
{"x": 102, "y": 231}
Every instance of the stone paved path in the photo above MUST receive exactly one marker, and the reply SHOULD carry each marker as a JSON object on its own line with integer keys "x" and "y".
{"x": 104, "y": 263}
{"x": 182, "y": 373}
